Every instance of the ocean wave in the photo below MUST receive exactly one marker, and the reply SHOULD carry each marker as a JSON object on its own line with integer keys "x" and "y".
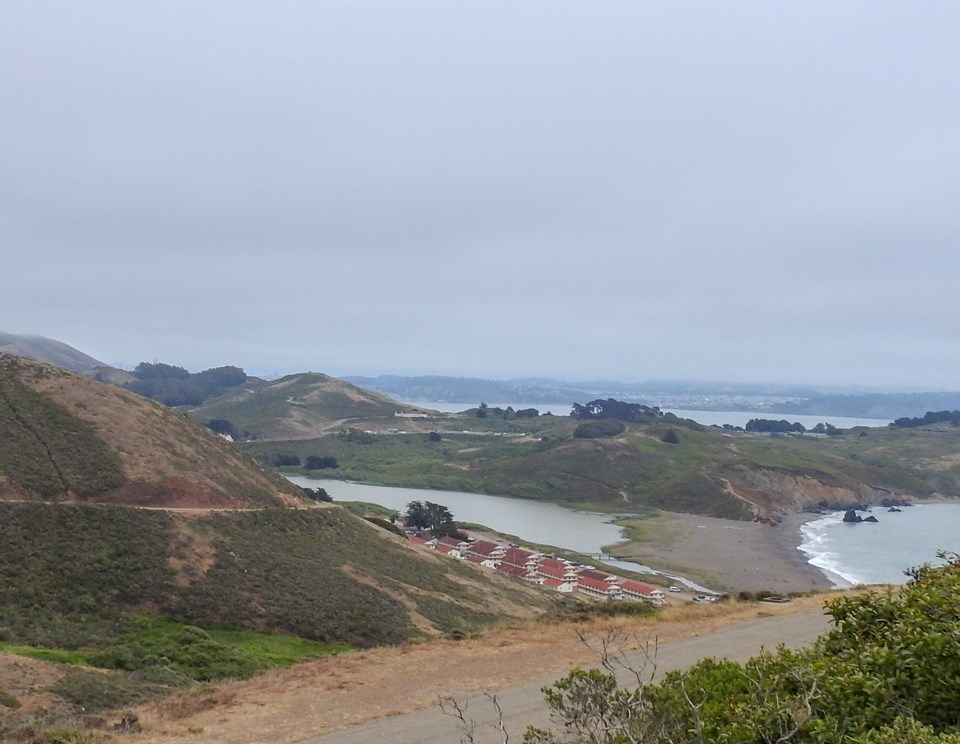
{"x": 815, "y": 545}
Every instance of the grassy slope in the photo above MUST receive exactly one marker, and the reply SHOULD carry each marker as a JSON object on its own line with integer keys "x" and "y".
{"x": 710, "y": 471}
{"x": 62, "y": 432}
{"x": 72, "y": 573}
{"x": 294, "y": 406}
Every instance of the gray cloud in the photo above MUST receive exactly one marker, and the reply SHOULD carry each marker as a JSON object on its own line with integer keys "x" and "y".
{"x": 747, "y": 191}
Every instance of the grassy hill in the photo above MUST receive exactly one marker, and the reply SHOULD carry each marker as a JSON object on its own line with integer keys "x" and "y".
{"x": 67, "y": 437}
{"x": 296, "y": 406}
{"x": 708, "y": 470}
{"x": 228, "y": 570}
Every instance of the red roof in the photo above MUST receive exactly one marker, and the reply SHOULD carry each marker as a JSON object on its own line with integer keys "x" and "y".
{"x": 555, "y": 583}
{"x": 451, "y": 541}
{"x": 445, "y": 549}
{"x": 595, "y": 584}
{"x": 555, "y": 568}
{"x": 517, "y": 556}
{"x": 589, "y": 573}
{"x": 482, "y": 547}
{"x": 477, "y": 558}
{"x": 635, "y": 587}
{"x": 418, "y": 540}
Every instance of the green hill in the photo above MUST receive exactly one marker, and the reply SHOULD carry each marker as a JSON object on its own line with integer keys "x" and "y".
{"x": 139, "y": 542}
{"x": 669, "y": 464}
{"x": 295, "y": 407}
{"x": 66, "y": 437}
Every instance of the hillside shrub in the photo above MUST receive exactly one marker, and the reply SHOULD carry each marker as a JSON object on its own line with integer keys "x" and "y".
{"x": 599, "y": 428}
{"x": 46, "y": 449}
{"x": 886, "y": 672}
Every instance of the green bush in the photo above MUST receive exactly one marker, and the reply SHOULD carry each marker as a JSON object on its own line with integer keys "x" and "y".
{"x": 890, "y": 656}
{"x": 599, "y": 428}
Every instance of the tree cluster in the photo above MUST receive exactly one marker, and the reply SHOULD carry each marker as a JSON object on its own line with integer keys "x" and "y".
{"x": 930, "y": 417}
{"x": 597, "y": 429}
{"x": 769, "y": 426}
{"x": 426, "y": 515}
{"x": 175, "y": 386}
{"x": 321, "y": 462}
{"x": 616, "y": 409}
{"x": 886, "y": 673}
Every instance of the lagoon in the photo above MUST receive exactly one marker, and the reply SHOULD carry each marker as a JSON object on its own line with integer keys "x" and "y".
{"x": 537, "y": 522}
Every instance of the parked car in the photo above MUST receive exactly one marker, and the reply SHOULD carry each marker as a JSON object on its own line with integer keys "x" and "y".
{"x": 673, "y": 589}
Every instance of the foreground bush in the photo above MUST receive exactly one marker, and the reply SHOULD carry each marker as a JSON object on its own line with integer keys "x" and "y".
{"x": 887, "y": 672}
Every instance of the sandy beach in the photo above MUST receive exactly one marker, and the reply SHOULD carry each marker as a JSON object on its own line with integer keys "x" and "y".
{"x": 726, "y": 554}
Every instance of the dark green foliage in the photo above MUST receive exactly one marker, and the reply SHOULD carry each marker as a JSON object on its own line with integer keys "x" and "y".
{"x": 92, "y": 691}
{"x": 611, "y": 408}
{"x": 8, "y": 701}
{"x": 281, "y": 460}
{"x": 385, "y": 524}
{"x": 891, "y": 656}
{"x": 47, "y": 450}
{"x": 356, "y": 436}
{"x": 184, "y": 650}
{"x": 160, "y": 371}
{"x": 426, "y": 515}
{"x": 570, "y": 609}
{"x": 175, "y": 386}
{"x": 72, "y": 575}
{"x": 69, "y": 572}
{"x": 670, "y": 437}
{"x": 317, "y": 494}
{"x": 828, "y": 429}
{"x": 222, "y": 426}
{"x": 321, "y": 462}
{"x": 769, "y": 426}
{"x": 930, "y": 417}
{"x": 600, "y": 428}
{"x": 433, "y": 437}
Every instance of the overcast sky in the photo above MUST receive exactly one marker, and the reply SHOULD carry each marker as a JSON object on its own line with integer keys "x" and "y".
{"x": 742, "y": 191}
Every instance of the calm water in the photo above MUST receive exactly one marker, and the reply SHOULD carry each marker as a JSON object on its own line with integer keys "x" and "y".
{"x": 868, "y": 553}
{"x": 532, "y": 521}
{"x": 707, "y": 418}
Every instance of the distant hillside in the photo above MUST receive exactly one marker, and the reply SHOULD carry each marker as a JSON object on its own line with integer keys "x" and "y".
{"x": 64, "y": 437}
{"x": 661, "y": 462}
{"x": 295, "y": 407}
{"x": 694, "y": 396}
{"x": 47, "y": 350}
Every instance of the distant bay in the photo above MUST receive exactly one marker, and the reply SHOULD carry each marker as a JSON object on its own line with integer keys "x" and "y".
{"x": 879, "y": 553}
{"x": 707, "y": 418}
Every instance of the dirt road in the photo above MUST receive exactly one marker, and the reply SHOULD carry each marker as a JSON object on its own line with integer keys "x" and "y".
{"x": 523, "y": 704}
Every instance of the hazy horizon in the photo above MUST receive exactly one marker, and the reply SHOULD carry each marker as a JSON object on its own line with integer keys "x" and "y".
{"x": 746, "y": 191}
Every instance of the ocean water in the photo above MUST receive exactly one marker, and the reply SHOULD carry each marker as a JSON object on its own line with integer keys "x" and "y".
{"x": 868, "y": 553}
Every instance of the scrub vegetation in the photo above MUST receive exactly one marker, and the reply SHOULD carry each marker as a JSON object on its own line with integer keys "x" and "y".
{"x": 884, "y": 674}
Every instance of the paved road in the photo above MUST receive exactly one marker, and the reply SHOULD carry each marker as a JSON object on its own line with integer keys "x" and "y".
{"x": 524, "y": 705}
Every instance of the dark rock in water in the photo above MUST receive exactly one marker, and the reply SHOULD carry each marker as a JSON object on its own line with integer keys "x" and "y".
{"x": 871, "y": 518}
{"x": 894, "y": 509}
{"x": 852, "y": 517}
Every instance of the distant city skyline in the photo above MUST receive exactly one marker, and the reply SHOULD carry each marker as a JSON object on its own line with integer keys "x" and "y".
{"x": 741, "y": 192}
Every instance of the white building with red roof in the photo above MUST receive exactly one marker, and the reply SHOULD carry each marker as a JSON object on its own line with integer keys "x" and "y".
{"x": 555, "y": 568}
{"x": 596, "y": 588}
{"x": 559, "y": 585}
{"x": 520, "y": 558}
{"x": 638, "y": 591}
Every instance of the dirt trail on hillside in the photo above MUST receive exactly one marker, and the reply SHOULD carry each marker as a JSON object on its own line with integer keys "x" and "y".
{"x": 324, "y": 696}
